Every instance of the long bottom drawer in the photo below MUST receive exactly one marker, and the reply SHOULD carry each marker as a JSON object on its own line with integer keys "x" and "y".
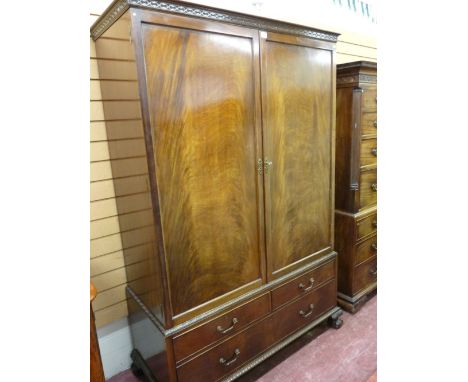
{"x": 226, "y": 357}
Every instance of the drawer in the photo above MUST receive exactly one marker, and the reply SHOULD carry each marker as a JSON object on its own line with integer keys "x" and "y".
{"x": 220, "y": 327}
{"x": 366, "y": 250}
{"x": 369, "y": 123}
{"x": 369, "y": 99}
{"x": 224, "y": 358}
{"x": 299, "y": 313}
{"x": 368, "y": 188}
{"x": 302, "y": 284}
{"x": 368, "y": 152}
{"x": 366, "y": 226}
{"x": 364, "y": 275}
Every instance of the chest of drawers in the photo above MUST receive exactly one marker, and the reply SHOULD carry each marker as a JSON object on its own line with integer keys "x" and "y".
{"x": 356, "y": 182}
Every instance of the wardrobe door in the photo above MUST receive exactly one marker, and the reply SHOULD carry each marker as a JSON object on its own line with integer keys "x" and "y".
{"x": 298, "y": 103}
{"x": 202, "y": 82}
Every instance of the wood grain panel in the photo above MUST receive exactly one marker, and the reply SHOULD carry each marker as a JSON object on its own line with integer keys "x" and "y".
{"x": 369, "y": 124}
{"x": 201, "y": 89}
{"x": 369, "y": 152}
{"x": 367, "y": 193}
{"x": 297, "y": 114}
{"x": 366, "y": 250}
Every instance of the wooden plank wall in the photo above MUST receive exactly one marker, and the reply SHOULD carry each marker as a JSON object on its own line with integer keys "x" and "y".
{"x": 107, "y": 257}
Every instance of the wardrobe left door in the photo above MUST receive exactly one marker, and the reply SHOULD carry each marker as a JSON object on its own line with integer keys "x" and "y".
{"x": 203, "y": 100}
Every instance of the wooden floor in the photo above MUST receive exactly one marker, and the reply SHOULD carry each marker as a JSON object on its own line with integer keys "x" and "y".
{"x": 322, "y": 355}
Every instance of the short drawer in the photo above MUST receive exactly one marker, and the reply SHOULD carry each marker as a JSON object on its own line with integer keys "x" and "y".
{"x": 302, "y": 284}
{"x": 366, "y": 226}
{"x": 369, "y": 152}
{"x": 369, "y": 123}
{"x": 364, "y": 275}
{"x": 220, "y": 327}
{"x": 366, "y": 250}
{"x": 368, "y": 188}
{"x": 369, "y": 99}
{"x": 224, "y": 358}
{"x": 301, "y": 312}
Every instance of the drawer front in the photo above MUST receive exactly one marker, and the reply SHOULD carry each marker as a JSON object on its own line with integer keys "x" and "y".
{"x": 366, "y": 250}
{"x": 224, "y": 358}
{"x": 368, "y": 188}
{"x": 368, "y": 152}
{"x": 302, "y": 284}
{"x": 364, "y": 275}
{"x": 366, "y": 226}
{"x": 369, "y": 123}
{"x": 220, "y": 327}
{"x": 369, "y": 99}
{"x": 303, "y": 311}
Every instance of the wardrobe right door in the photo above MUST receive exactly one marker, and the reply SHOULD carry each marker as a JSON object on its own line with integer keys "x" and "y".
{"x": 298, "y": 103}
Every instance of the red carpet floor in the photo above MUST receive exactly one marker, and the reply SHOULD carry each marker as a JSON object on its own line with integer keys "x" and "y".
{"x": 322, "y": 355}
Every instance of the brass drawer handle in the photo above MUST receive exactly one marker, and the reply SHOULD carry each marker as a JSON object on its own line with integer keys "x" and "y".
{"x": 230, "y": 361}
{"x": 374, "y": 151}
{"x": 373, "y": 272}
{"x": 311, "y": 284}
{"x": 374, "y": 223}
{"x": 374, "y": 247}
{"x": 375, "y": 124}
{"x": 260, "y": 166}
{"x": 304, "y": 314}
{"x": 224, "y": 331}
{"x": 374, "y": 186}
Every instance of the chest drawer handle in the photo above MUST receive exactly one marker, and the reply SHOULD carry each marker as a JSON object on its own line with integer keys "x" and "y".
{"x": 304, "y": 314}
{"x": 374, "y": 186}
{"x": 375, "y": 124}
{"x": 224, "y": 331}
{"x": 311, "y": 284}
{"x": 373, "y": 272}
{"x": 374, "y": 151}
{"x": 374, "y": 247}
{"x": 230, "y": 361}
{"x": 374, "y": 223}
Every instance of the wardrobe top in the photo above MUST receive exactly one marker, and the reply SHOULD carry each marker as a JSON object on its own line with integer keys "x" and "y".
{"x": 118, "y": 7}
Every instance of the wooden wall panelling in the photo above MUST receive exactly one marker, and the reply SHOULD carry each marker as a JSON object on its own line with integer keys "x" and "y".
{"x": 126, "y": 155}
